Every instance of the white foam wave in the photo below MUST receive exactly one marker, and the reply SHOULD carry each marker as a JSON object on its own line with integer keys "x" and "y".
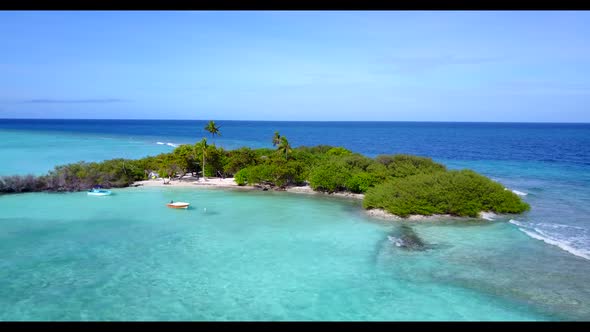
{"x": 559, "y": 226}
{"x": 169, "y": 144}
{"x": 487, "y": 215}
{"x": 519, "y": 193}
{"x": 515, "y": 222}
{"x": 538, "y": 234}
{"x": 565, "y": 246}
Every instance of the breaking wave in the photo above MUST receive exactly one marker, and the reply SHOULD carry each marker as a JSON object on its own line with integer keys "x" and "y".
{"x": 169, "y": 144}
{"x": 519, "y": 193}
{"x": 569, "y": 244}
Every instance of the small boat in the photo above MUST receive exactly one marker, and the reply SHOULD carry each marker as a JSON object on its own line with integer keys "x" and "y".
{"x": 178, "y": 205}
{"x": 98, "y": 192}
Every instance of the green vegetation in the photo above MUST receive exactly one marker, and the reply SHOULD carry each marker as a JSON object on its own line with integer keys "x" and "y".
{"x": 276, "y": 139}
{"x": 213, "y": 129}
{"x": 459, "y": 193}
{"x": 400, "y": 184}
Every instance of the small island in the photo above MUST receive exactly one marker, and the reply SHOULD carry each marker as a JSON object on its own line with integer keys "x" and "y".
{"x": 400, "y": 185}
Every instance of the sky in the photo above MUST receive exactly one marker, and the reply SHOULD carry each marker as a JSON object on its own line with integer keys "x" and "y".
{"x": 496, "y": 66}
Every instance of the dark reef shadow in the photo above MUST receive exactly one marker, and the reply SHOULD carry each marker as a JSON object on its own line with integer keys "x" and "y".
{"x": 404, "y": 238}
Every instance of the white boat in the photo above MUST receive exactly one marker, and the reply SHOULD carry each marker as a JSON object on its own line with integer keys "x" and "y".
{"x": 178, "y": 205}
{"x": 98, "y": 192}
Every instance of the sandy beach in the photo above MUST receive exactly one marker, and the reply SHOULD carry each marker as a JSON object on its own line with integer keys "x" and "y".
{"x": 212, "y": 182}
{"x": 189, "y": 181}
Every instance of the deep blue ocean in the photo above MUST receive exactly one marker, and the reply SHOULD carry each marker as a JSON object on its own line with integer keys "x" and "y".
{"x": 540, "y": 142}
{"x": 548, "y": 165}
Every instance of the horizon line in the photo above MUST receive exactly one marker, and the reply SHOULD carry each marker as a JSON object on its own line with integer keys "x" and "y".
{"x": 413, "y": 121}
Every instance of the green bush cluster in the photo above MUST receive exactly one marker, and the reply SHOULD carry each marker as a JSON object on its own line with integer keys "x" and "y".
{"x": 458, "y": 193}
{"x": 279, "y": 174}
{"x": 357, "y": 173}
{"x": 329, "y": 176}
{"x": 361, "y": 182}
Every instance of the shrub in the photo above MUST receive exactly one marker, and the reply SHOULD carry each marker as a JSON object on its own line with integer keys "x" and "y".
{"x": 338, "y": 151}
{"x": 329, "y": 177}
{"x": 19, "y": 184}
{"x": 384, "y": 159}
{"x": 291, "y": 172}
{"x": 277, "y": 174}
{"x": 458, "y": 193}
{"x": 379, "y": 171}
{"x": 239, "y": 159}
{"x": 361, "y": 182}
{"x": 307, "y": 158}
{"x": 241, "y": 177}
{"x": 317, "y": 150}
{"x": 185, "y": 156}
{"x": 261, "y": 174}
{"x": 264, "y": 152}
{"x": 405, "y": 165}
{"x": 357, "y": 162}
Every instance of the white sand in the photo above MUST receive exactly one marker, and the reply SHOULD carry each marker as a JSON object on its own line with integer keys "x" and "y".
{"x": 308, "y": 190}
{"x": 188, "y": 181}
{"x": 488, "y": 215}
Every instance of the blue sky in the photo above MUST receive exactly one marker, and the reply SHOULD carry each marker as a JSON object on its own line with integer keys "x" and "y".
{"x": 288, "y": 65}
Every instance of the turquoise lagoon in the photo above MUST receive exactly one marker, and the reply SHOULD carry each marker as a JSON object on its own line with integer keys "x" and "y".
{"x": 264, "y": 256}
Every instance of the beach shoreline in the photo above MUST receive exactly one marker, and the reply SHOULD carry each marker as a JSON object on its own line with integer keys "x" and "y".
{"x": 229, "y": 183}
{"x": 215, "y": 182}
{"x": 189, "y": 181}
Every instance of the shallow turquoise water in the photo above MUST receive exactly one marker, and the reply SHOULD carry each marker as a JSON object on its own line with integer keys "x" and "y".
{"x": 263, "y": 256}
{"x": 277, "y": 256}
{"x": 36, "y": 153}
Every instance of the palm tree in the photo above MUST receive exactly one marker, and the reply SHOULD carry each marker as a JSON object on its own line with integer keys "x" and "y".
{"x": 284, "y": 146}
{"x": 276, "y": 139}
{"x": 203, "y": 144}
{"x": 212, "y": 128}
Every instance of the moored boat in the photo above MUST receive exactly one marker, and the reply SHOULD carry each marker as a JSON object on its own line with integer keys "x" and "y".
{"x": 178, "y": 205}
{"x": 98, "y": 192}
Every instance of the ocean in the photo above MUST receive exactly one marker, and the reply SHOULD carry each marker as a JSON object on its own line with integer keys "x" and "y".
{"x": 280, "y": 256}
